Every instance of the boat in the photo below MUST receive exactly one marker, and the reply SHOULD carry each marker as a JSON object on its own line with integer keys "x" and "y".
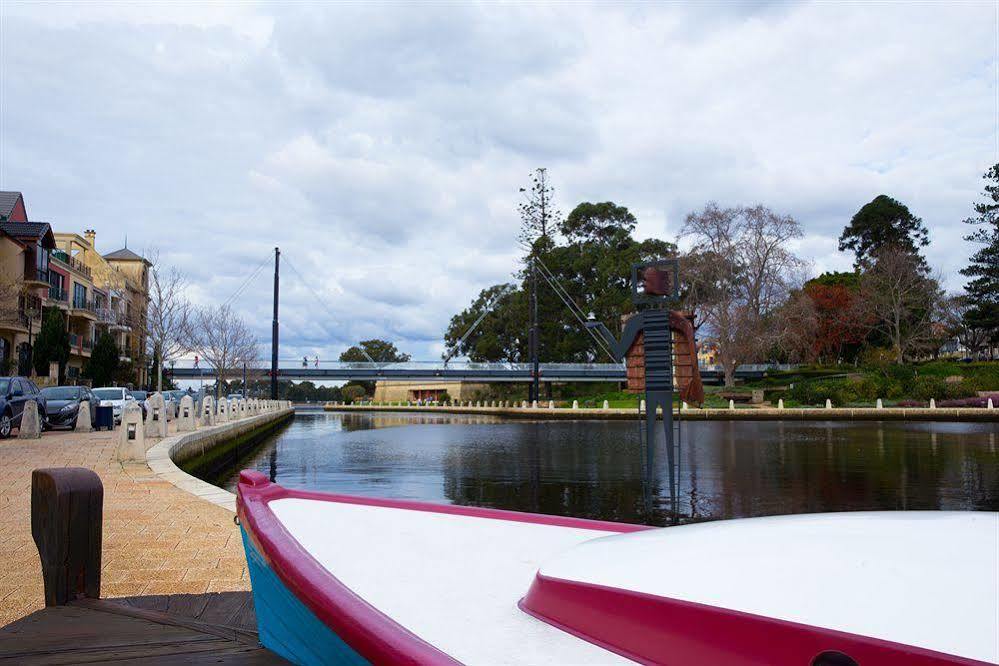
{"x": 340, "y": 579}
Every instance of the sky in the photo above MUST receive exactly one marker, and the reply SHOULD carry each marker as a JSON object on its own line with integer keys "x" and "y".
{"x": 382, "y": 146}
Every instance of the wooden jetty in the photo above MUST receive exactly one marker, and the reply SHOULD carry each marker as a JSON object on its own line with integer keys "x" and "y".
{"x": 77, "y": 626}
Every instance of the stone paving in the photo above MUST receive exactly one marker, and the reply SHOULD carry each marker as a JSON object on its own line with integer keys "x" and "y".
{"x": 158, "y": 539}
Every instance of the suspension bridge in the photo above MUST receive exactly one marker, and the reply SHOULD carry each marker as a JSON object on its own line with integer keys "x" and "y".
{"x": 533, "y": 371}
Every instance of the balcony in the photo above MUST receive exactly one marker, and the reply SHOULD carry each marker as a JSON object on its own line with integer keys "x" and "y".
{"x": 113, "y": 319}
{"x": 35, "y": 277}
{"x": 72, "y": 262}
{"x": 58, "y": 297}
{"x": 83, "y": 308}
{"x": 80, "y": 345}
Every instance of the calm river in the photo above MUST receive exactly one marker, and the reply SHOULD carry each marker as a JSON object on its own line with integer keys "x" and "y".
{"x": 594, "y": 469}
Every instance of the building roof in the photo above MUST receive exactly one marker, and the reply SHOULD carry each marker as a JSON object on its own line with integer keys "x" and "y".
{"x": 30, "y": 231}
{"x": 123, "y": 254}
{"x": 8, "y": 200}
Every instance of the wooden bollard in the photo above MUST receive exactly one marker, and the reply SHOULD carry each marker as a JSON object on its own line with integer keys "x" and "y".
{"x": 67, "y": 506}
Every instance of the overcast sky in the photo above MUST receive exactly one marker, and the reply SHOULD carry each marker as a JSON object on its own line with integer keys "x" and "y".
{"x": 382, "y": 146}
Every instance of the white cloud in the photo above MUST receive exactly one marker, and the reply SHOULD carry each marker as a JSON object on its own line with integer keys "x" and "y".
{"x": 382, "y": 146}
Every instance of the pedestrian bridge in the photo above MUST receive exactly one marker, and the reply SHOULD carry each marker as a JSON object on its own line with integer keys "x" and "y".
{"x": 461, "y": 371}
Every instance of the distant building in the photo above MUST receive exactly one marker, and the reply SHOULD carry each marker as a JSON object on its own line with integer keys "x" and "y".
{"x": 402, "y": 390}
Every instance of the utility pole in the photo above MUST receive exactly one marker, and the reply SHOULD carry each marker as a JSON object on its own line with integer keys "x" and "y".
{"x": 534, "y": 392}
{"x": 274, "y": 328}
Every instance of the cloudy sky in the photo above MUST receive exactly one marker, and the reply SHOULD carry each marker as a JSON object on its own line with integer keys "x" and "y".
{"x": 382, "y": 146}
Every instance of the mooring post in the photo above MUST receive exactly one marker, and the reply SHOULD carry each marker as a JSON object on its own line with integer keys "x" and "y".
{"x": 66, "y": 512}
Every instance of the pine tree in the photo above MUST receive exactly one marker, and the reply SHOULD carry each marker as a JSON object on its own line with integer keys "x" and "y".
{"x": 880, "y": 224}
{"x": 982, "y": 290}
{"x": 51, "y": 344}
{"x": 104, "y": 361}
{"x": 539, "y": 217}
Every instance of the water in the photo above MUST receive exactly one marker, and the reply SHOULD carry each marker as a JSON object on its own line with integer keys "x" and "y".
{"x": 594, "y": 469}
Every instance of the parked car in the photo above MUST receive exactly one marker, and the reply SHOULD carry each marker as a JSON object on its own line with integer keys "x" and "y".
{"x": 62, "y": 405}
{"x": 142, "y": 397}
{"x": 114, "y": 397}
{"x": 15, "y": 392}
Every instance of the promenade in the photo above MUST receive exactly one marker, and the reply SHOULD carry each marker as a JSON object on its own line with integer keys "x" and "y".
{"x": 157, "y": 540}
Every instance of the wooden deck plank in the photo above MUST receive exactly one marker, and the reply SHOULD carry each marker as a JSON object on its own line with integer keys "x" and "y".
{"x": 102, "y": 631}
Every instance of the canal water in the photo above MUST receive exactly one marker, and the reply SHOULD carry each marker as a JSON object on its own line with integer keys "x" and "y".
{"x": 594, "y": 469}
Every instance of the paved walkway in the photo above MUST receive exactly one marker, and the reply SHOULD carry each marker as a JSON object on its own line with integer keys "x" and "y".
{"x": 158, "y": 539}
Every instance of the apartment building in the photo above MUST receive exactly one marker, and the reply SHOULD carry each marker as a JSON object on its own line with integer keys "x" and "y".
{"x": 96, "y": 292}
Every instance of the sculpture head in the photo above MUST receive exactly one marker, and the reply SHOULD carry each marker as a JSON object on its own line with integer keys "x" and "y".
{"x": 655, "y": 282}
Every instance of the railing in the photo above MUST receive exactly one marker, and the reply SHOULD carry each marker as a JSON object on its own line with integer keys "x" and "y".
{"x": 57, "y": 294}
{"x": 29, "y": 305}
{"x": 111, "y": 317}
{"x": 84, "y": 304}
{"x": 72, "y": 262}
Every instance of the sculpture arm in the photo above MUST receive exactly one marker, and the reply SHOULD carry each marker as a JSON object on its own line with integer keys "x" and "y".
{"x": 631, "y": 331}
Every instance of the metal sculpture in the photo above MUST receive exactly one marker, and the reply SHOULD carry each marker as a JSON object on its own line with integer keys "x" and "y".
{"x": 670, "y": 354}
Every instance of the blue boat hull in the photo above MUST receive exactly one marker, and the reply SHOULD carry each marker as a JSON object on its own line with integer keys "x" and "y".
{"x": 286, "y": 626}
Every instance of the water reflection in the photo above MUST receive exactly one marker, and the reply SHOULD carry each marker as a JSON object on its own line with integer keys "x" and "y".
{"x": 595, "y": 469}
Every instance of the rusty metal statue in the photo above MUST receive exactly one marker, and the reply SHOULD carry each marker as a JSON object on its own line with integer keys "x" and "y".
{"x": 664, "y": 339}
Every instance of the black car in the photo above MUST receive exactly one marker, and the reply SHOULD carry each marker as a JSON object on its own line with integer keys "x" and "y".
{"x": 63, "y": 405}
{"x": 14, "y": 393}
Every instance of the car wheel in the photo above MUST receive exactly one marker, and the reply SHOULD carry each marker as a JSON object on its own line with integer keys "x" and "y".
{"x": 5, "y": 425}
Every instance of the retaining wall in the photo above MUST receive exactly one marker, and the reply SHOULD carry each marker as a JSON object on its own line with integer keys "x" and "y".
{"x": 692, "y": 414}
{"x": 207, "y": 442}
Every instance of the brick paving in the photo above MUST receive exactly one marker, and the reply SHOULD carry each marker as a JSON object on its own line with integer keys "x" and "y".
{"x": 158, "y": 539}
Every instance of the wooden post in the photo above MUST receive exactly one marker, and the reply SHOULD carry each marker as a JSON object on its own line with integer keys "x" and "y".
{"x": 66, "y": 514}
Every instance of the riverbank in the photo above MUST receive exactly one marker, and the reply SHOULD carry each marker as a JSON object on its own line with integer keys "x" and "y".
{"x": 738, "y": 413}
{"x": 159, "y": 537}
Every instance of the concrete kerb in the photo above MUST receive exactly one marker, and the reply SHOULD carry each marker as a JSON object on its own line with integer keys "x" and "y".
{"x": 160, "y": 457}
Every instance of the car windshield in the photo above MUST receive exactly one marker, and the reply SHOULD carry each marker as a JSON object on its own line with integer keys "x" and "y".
{"x": 139, "y": 395}
{"x": 108, "y": 394}
{"x": 61, "y": 392}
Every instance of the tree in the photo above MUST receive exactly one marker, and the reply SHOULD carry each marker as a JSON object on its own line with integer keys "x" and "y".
{"x": 901, "y": 299}
{"x": 959, "y": 317}
{"x": 841, "y": 322}
{"x": 598, "y": 222}
{"x": 538, "y": 214}
{"x": 51, "y": 344}
{"x": 982, "y": 313}
{"x": 379, "y": 351}
{"x": 102, "y": 367}
{"x": 167, "y": 316}
{"x": 223, "y": 340}
{"x": 884, "y": 222}
{"x": 739, "y": 273}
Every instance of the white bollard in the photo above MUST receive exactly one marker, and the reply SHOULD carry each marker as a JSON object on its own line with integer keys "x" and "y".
{"x": 156, "y": 424}
{"x": 606, "y": 404}
{"x": 879, "y": 404}
{"x": 780, "y": 403}
{"x": 84, "y": 423}
{"x": 933, "y": 403}
{"x": 828, "y": 403}
{"x": 523, "y": 405}
{"x": 207, "y": 411}
{"x": 31, "y": 425}
{"x": 641, "y": 406}
{"x": 575, "y": 404}
{"x": 988, "y": 405}
{"x": 684, "y": 406}
{"x": 185, "y": 415}
{"x": 731, "y": 404}
{"x": 551, "y": 404}
{"x": 222, "y": 412}
{"x": 131, "y": 435}
{"x": 534, "y": 404}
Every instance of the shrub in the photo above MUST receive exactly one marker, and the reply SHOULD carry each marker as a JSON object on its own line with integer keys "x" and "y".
{"x": 352, "y": 393}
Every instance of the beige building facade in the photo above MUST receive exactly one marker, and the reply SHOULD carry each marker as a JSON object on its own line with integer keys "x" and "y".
{"x": 402, "y": 391}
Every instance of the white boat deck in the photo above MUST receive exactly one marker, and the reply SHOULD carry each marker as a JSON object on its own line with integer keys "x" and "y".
{"x": 923, "y": 578}
{"x": 452, "y": 580}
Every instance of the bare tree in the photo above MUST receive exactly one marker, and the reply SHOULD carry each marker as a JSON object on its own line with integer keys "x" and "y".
{"x": 955, "y": 316}
{"x": 739, "y": 271}
{"x": 902, "y": 300}
{"x": 223, "y": 339}
{"x": 167, "y": 315}
{"x": 796, "y": 328}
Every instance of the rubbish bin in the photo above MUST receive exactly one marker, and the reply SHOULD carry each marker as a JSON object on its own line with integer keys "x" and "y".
{"x": 105, "y": 418}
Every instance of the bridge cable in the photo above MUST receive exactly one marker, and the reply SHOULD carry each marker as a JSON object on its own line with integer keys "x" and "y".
{"x": 320, "y": 300}
{"x": 576, "y": 311}
{"x": 488, "y": 308}
{"x": 246, "y": 282}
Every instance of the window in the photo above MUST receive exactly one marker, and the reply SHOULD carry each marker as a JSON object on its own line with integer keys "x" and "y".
{"x": 79, "y": 295}
{"x": 41, "y": 260}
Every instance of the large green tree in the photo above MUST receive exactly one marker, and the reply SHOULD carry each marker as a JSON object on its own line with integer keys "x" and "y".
{"x": 982, "y": 289}
{"x": 882, "y": 223}
{"x": 51, "y": 344}
{"x": 586, "y": 272}
{"x": 104, "y": 360}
